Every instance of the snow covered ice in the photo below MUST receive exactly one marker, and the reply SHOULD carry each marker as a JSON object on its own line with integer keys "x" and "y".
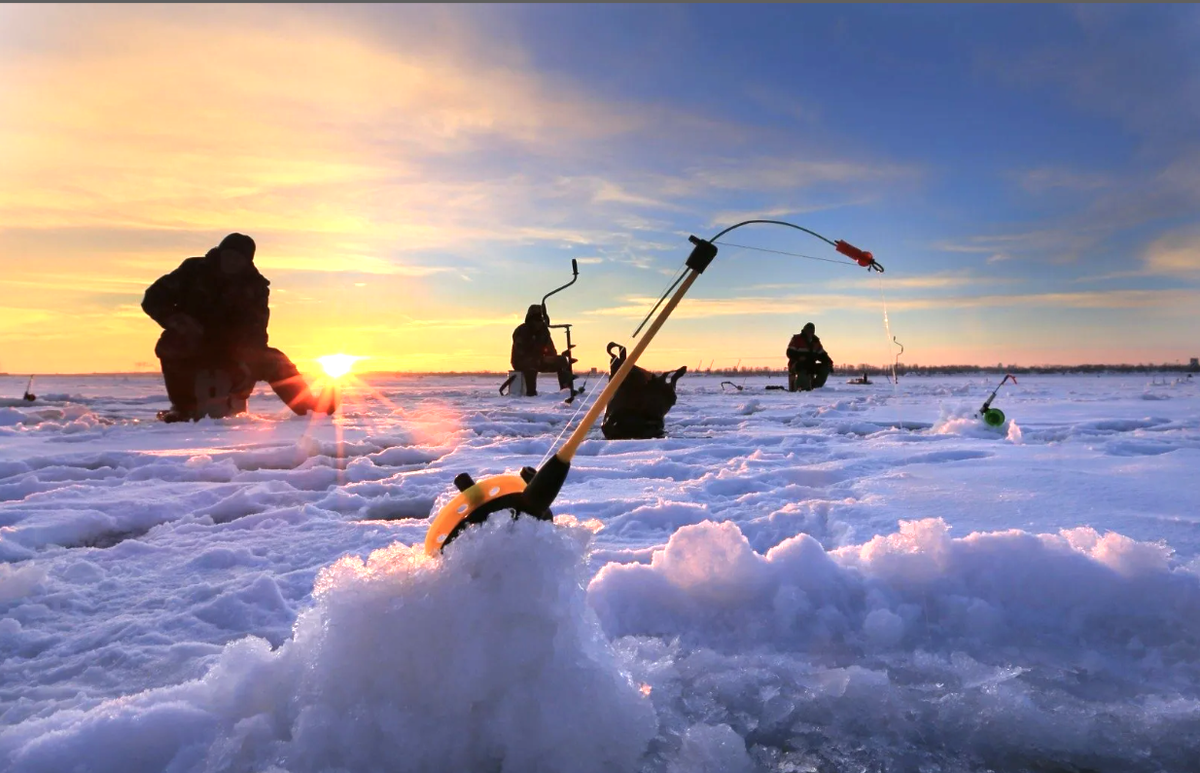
{"x": 859, "y": 578}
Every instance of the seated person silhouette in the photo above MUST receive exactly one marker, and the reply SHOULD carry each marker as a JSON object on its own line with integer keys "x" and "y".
{"x": 533, "y": 352}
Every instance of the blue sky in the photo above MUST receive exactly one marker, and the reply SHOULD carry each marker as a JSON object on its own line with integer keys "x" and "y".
{"x": 416, "y": 176}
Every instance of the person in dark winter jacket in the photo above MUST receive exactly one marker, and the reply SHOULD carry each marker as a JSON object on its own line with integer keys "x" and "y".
{"x": 533, "y": 351}
{"x": 809, "y": 365}
{"x": 213, "y": 348}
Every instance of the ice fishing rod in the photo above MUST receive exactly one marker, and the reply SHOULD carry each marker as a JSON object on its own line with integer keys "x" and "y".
{"x": 994, "y": 417}
{"x": 738, "y": 387}
{"x": 862, "y": 257}
{"x": 531, "y": 492}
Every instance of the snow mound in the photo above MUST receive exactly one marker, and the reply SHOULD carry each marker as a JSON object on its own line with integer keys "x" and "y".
{"x": 487, "y": 658}
{"x": 1052, "y": 636}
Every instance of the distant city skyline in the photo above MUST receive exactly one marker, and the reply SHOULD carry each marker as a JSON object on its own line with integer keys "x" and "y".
{"x": 416, "y": 176}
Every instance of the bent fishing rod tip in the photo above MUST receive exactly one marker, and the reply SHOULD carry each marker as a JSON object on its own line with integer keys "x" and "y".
{"x": 861, "y": 257}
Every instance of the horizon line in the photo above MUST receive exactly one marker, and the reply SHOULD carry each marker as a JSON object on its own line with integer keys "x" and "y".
{"x": 597, "y": 371}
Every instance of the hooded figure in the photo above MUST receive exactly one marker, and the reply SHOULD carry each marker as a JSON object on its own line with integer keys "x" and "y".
{"x": 809, "y": 365}
{"x": 533, "y": 351}
{"x": 213, "y": 348}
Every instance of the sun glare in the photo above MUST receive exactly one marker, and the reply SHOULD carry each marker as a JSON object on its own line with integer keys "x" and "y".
{"x": 338, "y": 365}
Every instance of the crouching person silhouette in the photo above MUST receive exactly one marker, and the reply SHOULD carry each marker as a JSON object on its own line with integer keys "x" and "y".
{"x": 213, "y": 348}
{"x": 809, "y": 365}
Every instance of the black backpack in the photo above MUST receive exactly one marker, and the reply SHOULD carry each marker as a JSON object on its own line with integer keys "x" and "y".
{"x": 641, "y": 403}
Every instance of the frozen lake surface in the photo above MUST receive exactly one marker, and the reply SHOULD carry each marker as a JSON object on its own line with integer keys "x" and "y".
{"x": 859, "y": 578}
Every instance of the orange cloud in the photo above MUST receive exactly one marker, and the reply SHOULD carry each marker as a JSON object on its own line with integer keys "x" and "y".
{"x": 169, "y": 123}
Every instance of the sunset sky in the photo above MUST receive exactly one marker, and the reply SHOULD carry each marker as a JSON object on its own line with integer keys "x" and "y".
{"x": 416, "y": 176}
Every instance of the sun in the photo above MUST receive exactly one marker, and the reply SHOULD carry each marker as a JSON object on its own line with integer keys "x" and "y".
{"x": 338, "y": 365}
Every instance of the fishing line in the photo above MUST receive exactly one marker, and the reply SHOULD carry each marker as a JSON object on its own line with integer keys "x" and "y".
{"x": 599, "y": 388}
{"x": 678, "y": 278}
{"x": 781, "y": 252}
{"x": 887, "y": 332}
{"x": 571, "y": 419}
{"x": 861, "y": 257}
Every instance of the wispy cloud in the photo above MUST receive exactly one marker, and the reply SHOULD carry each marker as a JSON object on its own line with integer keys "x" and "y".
{"x": 636, "y": 308}
{"x": 1057, "y": 179}
{"x": 317, "y": 130}
{"x": 14, "y": 318}
{"x": 607, "y": 191}
{"x": 74, "y": 283}
{"x": 1165, "y": 194}
{"x": 940, "y": 281}
{"x": 450, "y": 323}
{"x": 700, "y": 308}
{"x": 783, "y": 103}
{"x": 1126, "y": 65}
{"x": 782, "y": 173}
{"x": 729, "y": 217}
{"x": 1112, "y": 299}
{"x": 1139, "y": 69}
{"x": 250, "y": 135}
{"x": 923, "y": 282}
{"x": 1174, "y": 253}
{"x": 1057, "y": 242}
